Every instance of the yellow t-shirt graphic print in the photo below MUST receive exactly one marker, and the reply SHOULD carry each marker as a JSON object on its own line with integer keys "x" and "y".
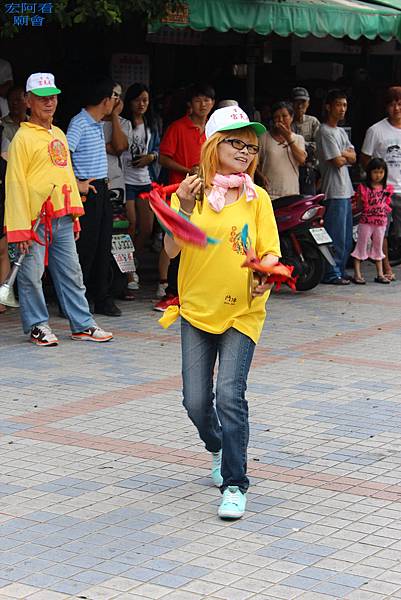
{"x": 212, "y": 286}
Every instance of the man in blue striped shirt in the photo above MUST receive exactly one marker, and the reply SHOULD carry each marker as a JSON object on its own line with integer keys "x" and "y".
{"x": 88, "y": 150}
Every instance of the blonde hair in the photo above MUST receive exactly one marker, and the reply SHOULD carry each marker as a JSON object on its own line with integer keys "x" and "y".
{"x": 209, "y": 160}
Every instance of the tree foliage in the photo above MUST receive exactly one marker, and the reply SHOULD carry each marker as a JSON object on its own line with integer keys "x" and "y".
{"x": 68, "y": 13}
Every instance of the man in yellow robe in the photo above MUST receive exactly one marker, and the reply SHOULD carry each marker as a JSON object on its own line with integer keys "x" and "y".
{"x": 40, "y": 182}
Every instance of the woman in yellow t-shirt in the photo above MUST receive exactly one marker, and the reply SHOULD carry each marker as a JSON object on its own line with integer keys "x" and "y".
{"x": 218, "y": 318}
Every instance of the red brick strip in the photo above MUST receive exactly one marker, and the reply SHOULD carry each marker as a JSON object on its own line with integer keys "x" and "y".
{"x": 190, "y": 458}
{"x": 347, "y": 338}
{"x": 100, "y": 401}
{"x": 352, "y": 361}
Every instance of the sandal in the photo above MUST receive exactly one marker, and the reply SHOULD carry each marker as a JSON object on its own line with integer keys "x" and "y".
{"x": 390, "y": 276}
{"x": 358, "y": 280}
{"x": 381, "y": 279}
{"x": 338, "y": 281}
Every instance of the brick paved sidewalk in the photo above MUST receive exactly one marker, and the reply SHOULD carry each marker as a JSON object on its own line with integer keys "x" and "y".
{"x": 105, "y": 489}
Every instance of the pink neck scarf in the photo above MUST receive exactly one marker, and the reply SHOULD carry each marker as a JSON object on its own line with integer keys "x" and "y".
{"x": 221, "y": 183}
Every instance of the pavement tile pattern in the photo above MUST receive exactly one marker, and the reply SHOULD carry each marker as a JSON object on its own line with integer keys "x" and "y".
{"x": 105, "y": 490}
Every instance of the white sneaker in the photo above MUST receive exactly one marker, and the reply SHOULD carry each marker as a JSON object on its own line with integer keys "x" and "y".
{"x": 161, "y": 290}
{"x": 42, "y": 335}
{"x": 93, "y": 334}
{"x": 233, "y": 503}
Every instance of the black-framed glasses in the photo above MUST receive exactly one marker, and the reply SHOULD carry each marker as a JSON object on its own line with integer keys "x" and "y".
{"x": 240, "y": 145}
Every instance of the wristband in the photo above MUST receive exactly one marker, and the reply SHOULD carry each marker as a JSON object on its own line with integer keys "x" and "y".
{"x": 186, "y": 213}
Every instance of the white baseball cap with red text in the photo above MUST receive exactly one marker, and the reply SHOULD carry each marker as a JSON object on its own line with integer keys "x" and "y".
{"x": 42, "y": 84}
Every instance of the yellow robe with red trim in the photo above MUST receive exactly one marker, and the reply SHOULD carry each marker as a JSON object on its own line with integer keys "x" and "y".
{"x": 39, "y": 166}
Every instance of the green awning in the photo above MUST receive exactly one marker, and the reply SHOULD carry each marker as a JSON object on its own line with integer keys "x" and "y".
{"x": 389, "y": 3}
{"x": 338, "y": 18}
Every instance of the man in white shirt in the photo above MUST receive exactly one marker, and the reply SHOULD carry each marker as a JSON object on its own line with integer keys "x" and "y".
{"x": 383, "y": 140}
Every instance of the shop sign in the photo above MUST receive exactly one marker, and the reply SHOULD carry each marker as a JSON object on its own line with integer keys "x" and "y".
{"x": 179, "y": 15}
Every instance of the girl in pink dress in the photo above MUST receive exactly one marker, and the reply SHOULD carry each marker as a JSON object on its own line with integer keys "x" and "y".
{"x": 375, "y": 198}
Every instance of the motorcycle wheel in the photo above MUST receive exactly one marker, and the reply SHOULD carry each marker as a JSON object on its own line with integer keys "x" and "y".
{"x": 312, "y": 269}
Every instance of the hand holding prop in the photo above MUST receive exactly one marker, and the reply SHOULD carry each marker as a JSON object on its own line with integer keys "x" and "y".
{"x": 200, "y": 195}
{"x": 273, "y": 274}
{"x": 7, "y": 296}
{"x": 177, "y": 225}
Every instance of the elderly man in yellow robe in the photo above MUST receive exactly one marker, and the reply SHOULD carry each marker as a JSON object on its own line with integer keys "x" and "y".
{"x": 41, "y": 216}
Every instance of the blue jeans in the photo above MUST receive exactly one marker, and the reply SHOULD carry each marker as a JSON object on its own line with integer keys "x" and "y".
{"x": 66, "y": 275}
{"x": 225, "y": 426}
{"x": 338, "y": 222}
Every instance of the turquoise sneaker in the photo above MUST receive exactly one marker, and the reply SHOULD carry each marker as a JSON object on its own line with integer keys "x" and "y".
{"x": 216, "y": 469}
{"x": 233, "y": 504}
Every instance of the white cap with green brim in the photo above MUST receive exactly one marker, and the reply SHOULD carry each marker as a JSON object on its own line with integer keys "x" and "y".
{"x": 42, "y": 84}
{"x": 229, "y": 118}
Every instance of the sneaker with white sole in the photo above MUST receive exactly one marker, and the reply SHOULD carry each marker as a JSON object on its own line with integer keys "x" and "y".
{"x": 165, "y": 302}
{"x": 42, "y": 335}
{"x": 216, "y": 469}
{"x": 93, "y": 334}
{"x": 233, "y": 503}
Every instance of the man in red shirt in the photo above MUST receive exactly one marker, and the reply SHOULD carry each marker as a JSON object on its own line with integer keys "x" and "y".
{"x": 180, "y": 150}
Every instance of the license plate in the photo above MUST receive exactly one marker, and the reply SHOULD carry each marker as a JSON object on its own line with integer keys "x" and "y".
{"x": 122, "y": 250}
{"x": 320, "y": 235}
{"x": 121, "y": 243}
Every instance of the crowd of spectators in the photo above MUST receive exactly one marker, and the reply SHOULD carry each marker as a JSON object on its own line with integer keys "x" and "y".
{"x": 119, "y": 145}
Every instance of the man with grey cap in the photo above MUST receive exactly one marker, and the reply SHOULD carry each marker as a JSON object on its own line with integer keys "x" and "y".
{"x": 40, "y": 184}
{"x": 307, "y": 126}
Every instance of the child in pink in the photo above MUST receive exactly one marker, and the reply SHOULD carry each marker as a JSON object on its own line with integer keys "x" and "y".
{"x": 375, "y": 198}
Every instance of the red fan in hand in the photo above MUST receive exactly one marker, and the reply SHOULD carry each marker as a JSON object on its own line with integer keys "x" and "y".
{"x": 277, "y": 274}
{"x": 162, "y": 190}
{"x": 176, "y": 225}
